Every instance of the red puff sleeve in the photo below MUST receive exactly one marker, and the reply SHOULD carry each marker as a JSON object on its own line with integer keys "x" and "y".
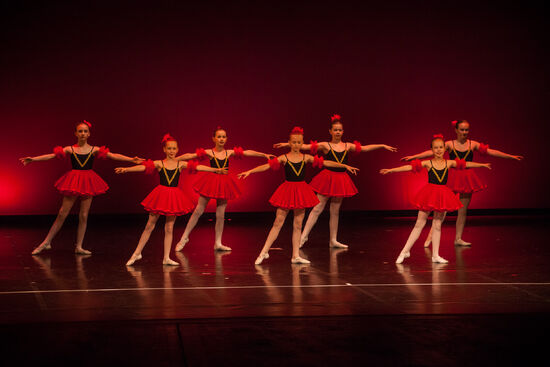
{"x": 239, "y": 152}
{"x": 201, "y": 154}
{"x": 318, "y": 161}
{"x": 59, "y": 152}
{"x": 192, "y": 166}
{"x": 483, "y": 148}
{"x": 314, "y": 147}
{"x": 102, "y": 152}
{"x": 460, "y": 163}
{"x": 357, "y": 147}
{"x": 274, "y": 164}
{"x": 416, "y": 165}
{"x": 149, "y": 166}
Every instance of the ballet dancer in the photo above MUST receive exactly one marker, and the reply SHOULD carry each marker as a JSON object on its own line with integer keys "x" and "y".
{"x": 81, "y": 182}
{"x": 463, "y": 182}
{"x": 435, "y": 196}
{"x": 293, "y": 194}
{"x": 333, "y": 183}
{"x": 218, "y": 187}
{"x": 165, "y": 199}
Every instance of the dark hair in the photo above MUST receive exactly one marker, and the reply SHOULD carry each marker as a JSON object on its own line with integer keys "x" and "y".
{"x": 335, "y": 119}
{"x": 83, "y": 122}
{"x": 456, "y": 123}
{"x": 218, "y": 128}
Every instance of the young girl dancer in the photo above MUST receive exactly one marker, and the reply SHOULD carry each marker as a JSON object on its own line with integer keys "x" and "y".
{"x": 293, "y": 194}
{"x": 81, "y": 182}
{"x": 333, "y": 183}
{"x": 435, "y": 196}
{"x": 463, "y": 182}
{"x": 218, "y": 187}
{"x": 165, "y": 199}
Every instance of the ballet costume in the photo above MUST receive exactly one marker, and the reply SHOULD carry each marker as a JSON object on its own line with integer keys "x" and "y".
{"x": 294, "y": 193}
{"x": 464, "y": 181}
{"x": 436, "y": 196}
{"x": 334, "y": 181}
{"x": 217, "y": 186}
{"x": 167, "y": 198}
{"x": 81, "y": 180}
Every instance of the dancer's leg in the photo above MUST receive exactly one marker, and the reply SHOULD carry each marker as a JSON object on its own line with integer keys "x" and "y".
{"x": 429, "y": 238}
{"x": 312, "y": 218}
{"x": 66, "y": 205}
{"x": 280, "y": 217}
{"x": 436, "y": 237}
{"x": 415, "y": 233}
{"x": 221, "y": 204}
{"x": 296, "y": 233}
{"x": 85, "y": 204}
{"x": 151, "y": 222}
{"x": 461, "y": 219}
{"x": 192, "y": 222}
{"x": 168, "y": 236}
{"x": 335, "y": 204}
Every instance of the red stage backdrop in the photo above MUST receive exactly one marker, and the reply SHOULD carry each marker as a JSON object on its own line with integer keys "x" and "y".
{"x": 397, "y": 75}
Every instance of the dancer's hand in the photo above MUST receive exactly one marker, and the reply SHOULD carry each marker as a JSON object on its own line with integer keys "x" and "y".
{"x": 390, "y": 148}
{"x": 25, "y": 160}
{"x": 280, "y": 145}
{"x": 486, "y": 165}
{"x": 221, "y": 171}
{"x": 517, "y": 157}
{"x": 269, "y": 156}
{"x": 385, "y": 171}
{"x": 352, "y": 169}
{"x": 243, "y": 175}
{"x": 120, "y": 170}
{"x": 138, "y": 160}
{"x": 407, "y": 158}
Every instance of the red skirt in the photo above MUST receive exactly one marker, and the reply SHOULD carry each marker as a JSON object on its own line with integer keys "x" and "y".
{"x": 464, "y": 181}
{"x": 294, "y": 195}
{"x": 330, "y": 183}
{"x": 81, "y": 183}
{"x": 436, "y": 197}
{"x": 166, "y": 200}
{"x": 214, "y": 185}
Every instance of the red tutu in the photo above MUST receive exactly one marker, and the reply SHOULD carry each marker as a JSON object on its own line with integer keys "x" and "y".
{"x": 166, "y": 200}
{"x": 214, "y": 185}
{"x": 330, "y": 183}
{"x": 294, "y": 195}
{"x": 81, "y": 183}
{"x": 436, "y": 197}
{"x": 464, "y": 181}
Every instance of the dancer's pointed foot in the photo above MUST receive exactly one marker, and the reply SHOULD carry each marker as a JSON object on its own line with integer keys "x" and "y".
{"x": 221, "y": 247}
{"x": 81, "y": 251}
{"x": 170, "y": 262}
{"x": 461, "y": 242}
{"x": 181, "y": 244}
{"x": 439, "y": 260}
{"x": 336, "y": 244}
{"x": 299, "y": 260}
{"x": 402, "y": 256}
{"x": 42, "y": 247}
{"x": 261, "y": 257}
{"x": 133, "y": 259}
{"x": 303, "y": 240}
{"x": 428, "y": 242}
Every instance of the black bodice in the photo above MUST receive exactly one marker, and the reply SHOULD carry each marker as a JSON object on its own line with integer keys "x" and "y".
{"x": 295, "y": 172}
{"x": 82, "y": 161}
{"x": 340, "y": 157}
{"x": 438, "y": 176}
{"x": 169, "y": 177}
{"x": 467, "y": 155}
{"x": 219, "y": 163}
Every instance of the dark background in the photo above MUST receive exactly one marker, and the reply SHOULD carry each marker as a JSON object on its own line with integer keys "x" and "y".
{"x": 397, "y": 73}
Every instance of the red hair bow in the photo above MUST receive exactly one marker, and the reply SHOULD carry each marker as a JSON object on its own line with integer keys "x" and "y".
{"x": 438, "y": 136}
{"x": 454, "y": 123}
{"x": 87, "y": 123}
{"x": 166, "y": 138}
{"x": 297, "y": 131}
{"x": 335, "y": 117}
